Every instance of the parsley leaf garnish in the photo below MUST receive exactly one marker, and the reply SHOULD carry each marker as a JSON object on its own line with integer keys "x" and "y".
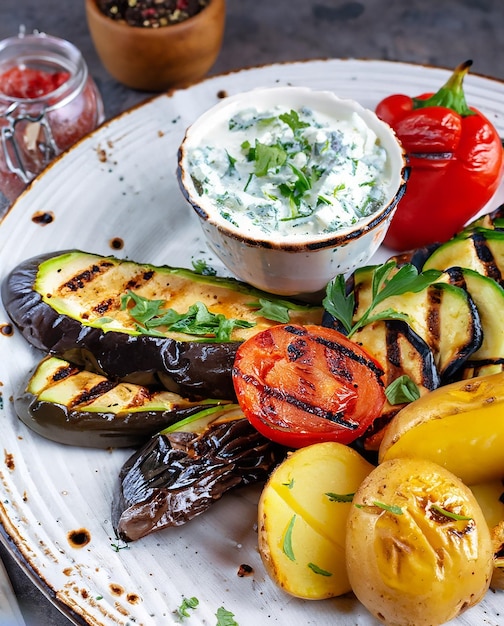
{"x": 187, "y": 603}
{"x": 303, "y": 183}
{"x": 275, "y": 310}
{"x": 390, "y": 508}
{"x": 388, "y": 280}
{"x": 339, "y": 497}
{"x": 295, "y": 191}
{"x": 402, "y": 390}
{"x": 454, "y": 516}
{"x": 231, "y": 163}
{"x": 338, "y": 303}
{"x": 322, "y": 200}
{"x": 268, "y": 157}
{"x": 143, "y": 309}
{"x": 292, "y": 120}
{"x": 318, "y": 570}
{"x": 198, "y": 320}
{"x": 225, "y": 617}
{"x": 201, "y": 267}
{"x": 287, "y": 540}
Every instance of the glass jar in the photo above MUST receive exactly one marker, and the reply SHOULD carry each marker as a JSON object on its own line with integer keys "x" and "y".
{"x": 48, "y": 101}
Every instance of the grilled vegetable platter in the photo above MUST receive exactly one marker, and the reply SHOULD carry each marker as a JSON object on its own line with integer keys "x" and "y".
{"x": 125, "y": 340}
{"x": 147, "y": 476}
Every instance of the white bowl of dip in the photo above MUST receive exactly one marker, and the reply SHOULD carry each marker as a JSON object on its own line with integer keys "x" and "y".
{"x": 292, "y": 186}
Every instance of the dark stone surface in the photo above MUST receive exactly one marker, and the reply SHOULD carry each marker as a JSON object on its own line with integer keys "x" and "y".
{"x": 267, "y": 31}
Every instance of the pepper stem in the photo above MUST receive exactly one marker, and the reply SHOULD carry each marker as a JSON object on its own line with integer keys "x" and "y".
{"x": 451, "y": 95}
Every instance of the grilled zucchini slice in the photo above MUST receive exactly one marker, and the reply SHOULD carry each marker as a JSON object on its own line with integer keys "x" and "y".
{"x": 481, "y": 250}
{"x": 73, "y": 406}
{"x": 493, "y": 220}
{"x": 401, "y": 352}
{"x": 488, "y": 297}
{"x": 78, "y": 306}
{"x": 443, "y": 315}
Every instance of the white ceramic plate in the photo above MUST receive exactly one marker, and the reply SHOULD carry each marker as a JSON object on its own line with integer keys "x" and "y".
{"x": 119, "y": 184}
{"x": 10, "y": 613}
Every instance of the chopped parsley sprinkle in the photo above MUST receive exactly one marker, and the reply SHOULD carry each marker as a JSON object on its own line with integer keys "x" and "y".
{"x": 315, "y": 173}
{"x": 287, "y": 540}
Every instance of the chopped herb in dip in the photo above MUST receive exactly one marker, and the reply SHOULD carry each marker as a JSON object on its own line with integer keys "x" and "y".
{"x": 288, "y": 172}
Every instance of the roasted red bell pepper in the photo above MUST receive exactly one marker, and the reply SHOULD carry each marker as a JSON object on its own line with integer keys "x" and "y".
{"x": 455, "y": 157}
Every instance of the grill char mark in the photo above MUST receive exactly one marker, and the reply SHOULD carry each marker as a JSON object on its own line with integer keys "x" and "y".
{"x": 486, "y": 257}
{"x": 89, "y": 395}
{"x": 335, "y": 357}
{"x": 268, "y": 393}
{"x": 394, "y": 333}
{"x": 433, "y": 318}
{"x": 340, "y": 350}
{"x": 83, "y": 280}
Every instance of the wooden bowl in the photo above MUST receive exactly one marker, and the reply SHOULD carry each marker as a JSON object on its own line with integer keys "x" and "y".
{"x": 156, "y": 59}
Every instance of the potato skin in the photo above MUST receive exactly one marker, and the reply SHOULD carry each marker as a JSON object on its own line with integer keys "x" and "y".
{"x": 490, "y": 498}
{"x": 459, "y": 426}
{"x": 301, "y": 528}
{"x": 497, "y": 533}
{"x": 416, "y": 566}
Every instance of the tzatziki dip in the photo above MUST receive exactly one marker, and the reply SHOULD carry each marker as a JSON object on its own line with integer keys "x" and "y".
{"x": 287, "y": 172}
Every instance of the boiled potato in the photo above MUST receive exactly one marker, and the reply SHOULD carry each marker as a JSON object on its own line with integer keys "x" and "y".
{"x": 302, "y": 523}
{"x": 419, "y": 550}
{"x": 497, "y": 533}
{"x": 490, "y": 497}
{"x": 459, "y": 426}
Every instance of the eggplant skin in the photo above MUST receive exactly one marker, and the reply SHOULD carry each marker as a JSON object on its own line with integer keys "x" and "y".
{"x": 89, "y": 429}
{"x": 195, "y": 369}
{"x": 175, "y": 477}
{"x": 75, "y": 425}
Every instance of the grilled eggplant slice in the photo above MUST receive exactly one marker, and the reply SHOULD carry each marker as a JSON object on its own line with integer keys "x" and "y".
{"x": 79, "y": 306}
{"x": 182, "y": 471}
{"x": 67, "y": 404}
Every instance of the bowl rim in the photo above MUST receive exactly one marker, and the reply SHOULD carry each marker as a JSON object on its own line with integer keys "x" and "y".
{"x": 339, "y": 237}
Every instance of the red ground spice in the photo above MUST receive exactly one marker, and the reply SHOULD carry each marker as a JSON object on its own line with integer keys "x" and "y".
{"x": 25, "y": 82}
